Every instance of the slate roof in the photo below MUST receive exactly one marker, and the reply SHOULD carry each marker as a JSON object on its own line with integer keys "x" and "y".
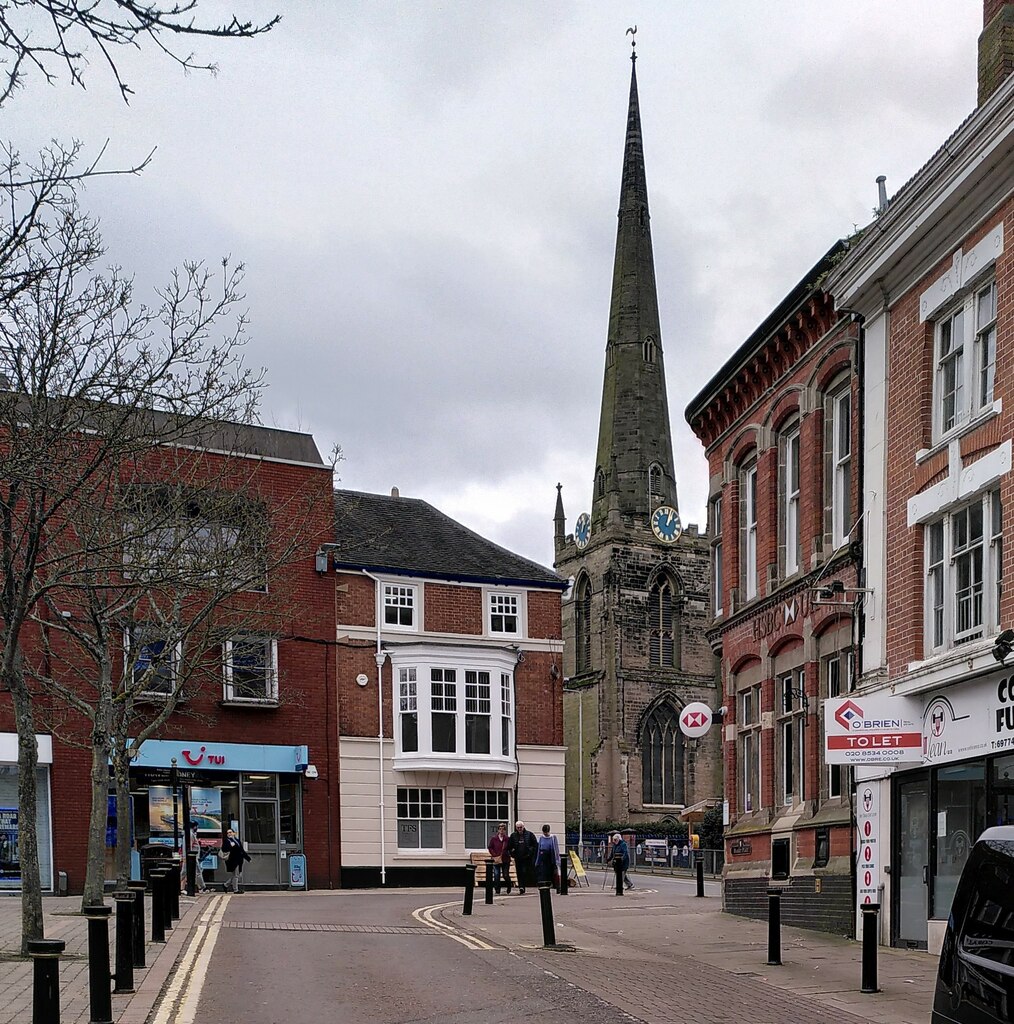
{"x": 409, "y": 537}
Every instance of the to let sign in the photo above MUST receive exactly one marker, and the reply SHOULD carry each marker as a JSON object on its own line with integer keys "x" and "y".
{"x": 873, "y": 729}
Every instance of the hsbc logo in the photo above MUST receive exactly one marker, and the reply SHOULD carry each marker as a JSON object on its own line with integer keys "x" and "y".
{"x": 694, "y": 719}
{"x": 849, "y": 715}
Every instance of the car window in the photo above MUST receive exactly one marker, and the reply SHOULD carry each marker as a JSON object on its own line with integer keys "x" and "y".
{"x": 987, "y": 932}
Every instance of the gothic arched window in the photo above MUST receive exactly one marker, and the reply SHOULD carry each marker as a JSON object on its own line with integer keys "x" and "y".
{"x": 582, "y": 616}
{"x": 663, "y": 625}
{"x": 662, "y": 758}
{"x": 600, "y": 484}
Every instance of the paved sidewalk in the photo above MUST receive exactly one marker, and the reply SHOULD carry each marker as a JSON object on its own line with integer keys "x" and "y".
{"x": 62, "y": 920}
{"x": 662, "y": 957}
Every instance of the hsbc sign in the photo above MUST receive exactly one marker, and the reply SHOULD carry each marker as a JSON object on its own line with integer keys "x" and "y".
{"x": 872, "y": 729}
{"x": 695, "y": 719}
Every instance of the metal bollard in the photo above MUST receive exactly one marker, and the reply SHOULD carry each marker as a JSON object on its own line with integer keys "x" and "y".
{"x": 700, "y": 877}
{"x": 45, "y": 954}
{"x": 546, "y": 906}
{"x": 157, "y": 905}
{"x": 618, "y": 868}
{"x": 174, "y": 889}
{"x": 167, "y": 898}
{"x": 192, "y": 873}
{"x": 100, "y": 997}
{"x": 775, "y": 927}
{"x": 124, "y": 974}
{"x": 564, "y": 880}
{"x": 469, "y": 889}
{"x": 489, "y": 883}
{"x": 869, "y": 978}
{"x": 137, "y": 890}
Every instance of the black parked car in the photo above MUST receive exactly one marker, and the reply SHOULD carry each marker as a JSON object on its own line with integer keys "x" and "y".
{"x": 975, "y": 982}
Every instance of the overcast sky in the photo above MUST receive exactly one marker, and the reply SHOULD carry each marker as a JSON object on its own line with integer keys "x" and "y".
{"x": 424, "y": 194}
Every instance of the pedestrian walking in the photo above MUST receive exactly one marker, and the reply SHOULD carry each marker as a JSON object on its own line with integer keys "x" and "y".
{"x": 621, "y": 852}
{"x": 195, "y": 848}
{"x": 547, "y": 859}
{"x": 501, "y": 858}
{"x": 522, "y": 848}
{"x": 234, "y": 854}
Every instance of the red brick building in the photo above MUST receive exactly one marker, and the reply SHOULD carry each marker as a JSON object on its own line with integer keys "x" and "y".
{"x": 933, "y": 279}
{"x": 450, "y": 690}
{"x": 779, "y": 425}
{"x": 242, "y": 740}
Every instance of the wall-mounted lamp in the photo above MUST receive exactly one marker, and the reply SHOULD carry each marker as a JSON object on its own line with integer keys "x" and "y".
{"x": 1004, "y": 645}
{"x": 836, "y": 594}
{"x": 320, "y": 562}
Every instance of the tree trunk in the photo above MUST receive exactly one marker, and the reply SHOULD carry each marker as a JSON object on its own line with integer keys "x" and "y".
{"x": 28, "y": 839}
{"x": 121, "y": 767}
{"x": 95, "y": 865}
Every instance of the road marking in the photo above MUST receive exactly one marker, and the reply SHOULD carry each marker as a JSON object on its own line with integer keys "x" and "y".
{"x": 425, "y": 916}
{"x": 179, "y": 1004}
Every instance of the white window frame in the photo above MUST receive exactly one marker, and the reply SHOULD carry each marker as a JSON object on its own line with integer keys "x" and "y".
{"x": 130, "y": 663}
{"x": 790, "y": 499}
{"x": 503, "y": 605}
{"x": 967, "y": 368}
{"x": 749, "y": 720}
{"x": 427, "y": 801}
{"x": 398, "y": 597}
{"x": 836, "y": 670}
{"x": 841, "y": 466}
{"x": 501, "y": 798}
{"x": 270, "y": 674}
{"x": 749, "y": 572}
{"x": 949, "y": 550}
{"x": 792, "y": 737}
{"x": 472, "y": 669}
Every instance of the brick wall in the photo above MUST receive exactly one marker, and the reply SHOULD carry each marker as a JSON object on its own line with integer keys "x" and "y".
{"x": 453, "y": 608}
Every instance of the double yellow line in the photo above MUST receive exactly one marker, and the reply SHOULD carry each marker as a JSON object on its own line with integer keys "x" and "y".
{"x": 424, "y": 915}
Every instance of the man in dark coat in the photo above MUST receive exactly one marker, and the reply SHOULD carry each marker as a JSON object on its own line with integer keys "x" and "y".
{"x": 522, "y": 847}
{"x": 234, "y": 855}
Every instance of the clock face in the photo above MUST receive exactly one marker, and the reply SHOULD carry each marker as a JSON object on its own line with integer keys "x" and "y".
{"x": 582, "y": 531}
{"x": 665, "y": 523}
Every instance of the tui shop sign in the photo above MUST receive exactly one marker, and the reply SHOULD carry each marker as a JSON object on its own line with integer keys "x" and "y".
{"x": 202, "y": 756}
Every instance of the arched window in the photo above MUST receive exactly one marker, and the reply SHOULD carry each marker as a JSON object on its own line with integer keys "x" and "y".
{"x": 648, "y": 349}
{"x": 582, "y": 615}
{"x": 663, "y": 625}
{"x": 600, "y": 483}
{"x": 662, "y": 758}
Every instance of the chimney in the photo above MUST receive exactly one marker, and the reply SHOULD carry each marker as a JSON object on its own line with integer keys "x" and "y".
{"x": 996, "y": 46}
{"x": 395, "y": 493}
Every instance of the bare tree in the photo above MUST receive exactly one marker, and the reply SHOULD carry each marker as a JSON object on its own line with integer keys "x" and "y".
{"x": 95, "y": 381}
{"x": 47, "y": 37}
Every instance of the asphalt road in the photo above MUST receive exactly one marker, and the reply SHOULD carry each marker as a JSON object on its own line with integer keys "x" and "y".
{"x": 361, "y": 958}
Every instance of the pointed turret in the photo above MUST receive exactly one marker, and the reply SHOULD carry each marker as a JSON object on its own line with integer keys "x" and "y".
{"x": 635, "y": 443}
{"x": 559, "y": 519}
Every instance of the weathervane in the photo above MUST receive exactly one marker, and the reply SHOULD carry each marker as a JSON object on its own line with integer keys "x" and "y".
{"x": 633, "y": 42}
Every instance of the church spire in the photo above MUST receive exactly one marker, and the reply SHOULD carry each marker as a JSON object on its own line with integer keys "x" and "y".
{"x": 634, "y": 467}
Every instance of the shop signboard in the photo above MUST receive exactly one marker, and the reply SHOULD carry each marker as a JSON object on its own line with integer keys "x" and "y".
{"x": 207, "y": 755}
{"x": 868, "y": 840}
{"x": 872, "y": 729}
{"x": 970, "y": 719}
{"x": 10, "y": 859}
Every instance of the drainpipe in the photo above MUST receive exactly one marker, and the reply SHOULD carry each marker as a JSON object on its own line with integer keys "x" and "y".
{"x": 380, "y": 657}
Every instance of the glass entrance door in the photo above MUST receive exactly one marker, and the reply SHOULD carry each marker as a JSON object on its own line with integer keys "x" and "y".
{"x": 912, "y": 860}
{"x": 260, "y": 836}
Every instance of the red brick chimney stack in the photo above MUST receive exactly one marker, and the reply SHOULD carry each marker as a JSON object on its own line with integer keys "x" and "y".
{"x": 996, "y": 46}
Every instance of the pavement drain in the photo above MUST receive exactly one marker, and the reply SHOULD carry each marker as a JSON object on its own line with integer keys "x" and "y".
{"x": 368, "y": 929}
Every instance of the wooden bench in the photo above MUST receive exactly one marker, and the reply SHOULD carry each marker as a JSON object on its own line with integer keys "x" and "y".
{"x": 479, "y": 860}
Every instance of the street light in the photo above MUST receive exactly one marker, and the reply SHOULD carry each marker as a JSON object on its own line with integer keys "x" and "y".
{"x": 579, "y": 690}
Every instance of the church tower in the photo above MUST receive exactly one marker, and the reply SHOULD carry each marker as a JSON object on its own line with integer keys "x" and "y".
{"x": 635, "y": 651}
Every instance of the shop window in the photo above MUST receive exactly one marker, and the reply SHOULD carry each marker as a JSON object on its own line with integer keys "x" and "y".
{"x": 420, "y": 819}
{"x": 485, "y": 809}
{"x": 780, "y": 858}
{"x": 960, "y": 818}
{"x": 1002, "y": 788}
{"x": 662, "y": 758}
{"x": 822, "y": 847}
{"x": 400, "y": 606}
{"x": 251, "y": 669}
{"x": 10, "y": 867}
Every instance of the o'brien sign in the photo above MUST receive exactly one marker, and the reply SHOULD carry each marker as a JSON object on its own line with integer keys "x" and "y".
{"x": 875, "y": 729}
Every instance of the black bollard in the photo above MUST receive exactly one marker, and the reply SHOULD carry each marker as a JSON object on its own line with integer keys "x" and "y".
{"x": 775, "y": 927}
{"x": 167, "y": 897}
{"x": 124, "y": 942}
{"x": 192, "y": 870}
{"x": 45, "y": 954}
{"x": 469, "y": 889}
{"x": 618, "y": 868}
{"x": 546, "y": 906}
{"x": 869, "y": 979}
{"x": 157, "y": 906}
{"x": 564, "y": 880}
{"x": 174, "y": 889}
{"x": 137, "y": 890}
{"x": 700, "y": 877}
{"x": 489, "y": 883}
{"x": 100, "y": 997}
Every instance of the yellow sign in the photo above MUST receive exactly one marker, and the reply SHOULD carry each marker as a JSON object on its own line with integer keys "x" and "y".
{"x": 695, "y": 841}
{"x": 579, "y": 871}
